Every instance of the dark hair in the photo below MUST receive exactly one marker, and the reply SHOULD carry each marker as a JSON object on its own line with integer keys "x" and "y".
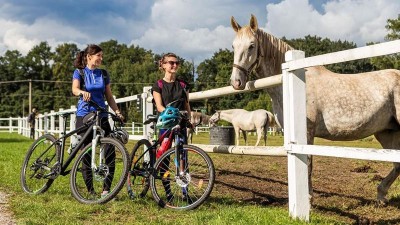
{"x": 80, "y": 60}
{"x": 169, "y": 54}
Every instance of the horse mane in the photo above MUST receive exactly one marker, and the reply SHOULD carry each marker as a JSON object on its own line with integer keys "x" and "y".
{"x": 273, "y": 49}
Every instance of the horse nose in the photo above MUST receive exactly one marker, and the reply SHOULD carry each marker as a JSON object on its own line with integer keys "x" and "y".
{"x": 236, "y": 84}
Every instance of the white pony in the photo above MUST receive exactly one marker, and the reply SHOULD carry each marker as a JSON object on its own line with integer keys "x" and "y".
{"x": 340, "y": 107}
{"x": 243, "y": 120}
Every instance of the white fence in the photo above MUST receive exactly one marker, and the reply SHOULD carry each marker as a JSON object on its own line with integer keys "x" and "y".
{"x": 53, "y": 123}
{"x": 295, "y": 140}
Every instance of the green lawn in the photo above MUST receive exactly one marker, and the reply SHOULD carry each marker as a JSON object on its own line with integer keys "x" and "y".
{"x": 57, "y": 206}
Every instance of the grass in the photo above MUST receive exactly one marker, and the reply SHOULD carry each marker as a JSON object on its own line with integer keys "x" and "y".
{"x": 57, "y": 206}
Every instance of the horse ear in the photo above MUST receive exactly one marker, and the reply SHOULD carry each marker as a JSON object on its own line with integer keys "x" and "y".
{"x": 236, "y": 27}
{"x": 253, "y": 23}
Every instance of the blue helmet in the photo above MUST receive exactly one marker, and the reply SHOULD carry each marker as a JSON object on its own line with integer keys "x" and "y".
{"x": 168, "y": 118}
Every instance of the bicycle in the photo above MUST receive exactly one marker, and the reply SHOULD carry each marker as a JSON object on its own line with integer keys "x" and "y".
{"x": 182, "y": 184}
{"x": 100, "y": 167}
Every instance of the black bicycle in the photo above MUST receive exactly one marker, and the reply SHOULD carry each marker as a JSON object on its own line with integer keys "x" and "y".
{"x": 181, "y": 178}
{"x": 98, "y": 173}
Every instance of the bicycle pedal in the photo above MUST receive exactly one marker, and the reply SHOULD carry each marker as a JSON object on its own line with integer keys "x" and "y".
{"x": 39, "y": 175}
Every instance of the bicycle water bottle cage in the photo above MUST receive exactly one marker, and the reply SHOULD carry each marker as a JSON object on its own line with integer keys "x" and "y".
{"x": 169, "y": 118}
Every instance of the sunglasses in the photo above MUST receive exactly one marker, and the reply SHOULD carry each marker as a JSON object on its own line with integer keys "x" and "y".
{"x": 172, "y": 63}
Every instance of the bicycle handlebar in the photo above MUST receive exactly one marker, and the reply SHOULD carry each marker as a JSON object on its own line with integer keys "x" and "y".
{"x": 102, "y": 109}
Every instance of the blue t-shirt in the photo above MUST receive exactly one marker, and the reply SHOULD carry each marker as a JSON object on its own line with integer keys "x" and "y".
{"x": 95, "y": 84}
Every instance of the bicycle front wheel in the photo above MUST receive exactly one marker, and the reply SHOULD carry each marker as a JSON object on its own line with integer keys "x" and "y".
{"x": 187, "y": 186}
{"x": 138, "y": 181}
{"x": 101, "y": 183}
{"x": 39, "y": 168}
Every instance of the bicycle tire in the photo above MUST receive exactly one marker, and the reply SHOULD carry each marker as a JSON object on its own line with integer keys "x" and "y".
{"x": 39, "y": 162}
{"x": 189, "y": 190}
{"x": 138, "y": 181}
{"x": 87, "y": 186}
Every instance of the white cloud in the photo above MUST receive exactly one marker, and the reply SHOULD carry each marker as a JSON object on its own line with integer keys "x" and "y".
{"x": 191, "y": 28}
{"x": 22, "y": 37}
{"x": 351, "y": 20}
{"x": 188, "y": 28}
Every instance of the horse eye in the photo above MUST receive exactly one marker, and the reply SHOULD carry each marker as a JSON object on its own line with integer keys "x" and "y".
{"x": 233, "y": 47}
{"x": 251, "y": 47}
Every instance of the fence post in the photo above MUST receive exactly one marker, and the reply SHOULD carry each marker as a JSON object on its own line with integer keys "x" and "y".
{"x": 39, "y": 127}
{"x": 295, "y": 128}
{"x": 10, "y": 128}
{"x": 147, "y": 110}
{"x": 46, "y": 123}
{"x": 52, "y": 122}
{"x": 61, "y": 123}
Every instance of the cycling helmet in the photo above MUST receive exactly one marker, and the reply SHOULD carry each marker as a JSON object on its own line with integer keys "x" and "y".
{"x": 168, "y": 118}
{"x": 121, "y": 135}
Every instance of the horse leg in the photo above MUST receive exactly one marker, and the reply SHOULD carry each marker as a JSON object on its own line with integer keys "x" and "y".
{"x": 237, "y": 133}
{"x": 190, "y": 135}
{"x": 310, "y": 141}
{"x": 259, "y": 133}
{"x": 265, "y": 133}
{"x": 245, "y": 137}
{"x": 388, "y": 140}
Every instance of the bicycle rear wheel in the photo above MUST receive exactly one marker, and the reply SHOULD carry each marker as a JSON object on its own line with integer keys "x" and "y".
{"x": 100, "y": 185}
{"x": 40, "y": 164}
{"x": 138, "y": 181}
{"x": 187, "y": 188}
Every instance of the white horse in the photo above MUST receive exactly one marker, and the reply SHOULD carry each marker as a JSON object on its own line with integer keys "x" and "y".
{"x": 243, "y": 120}
{"x": 339, "y": 106}
{"x": 197, "y": 118}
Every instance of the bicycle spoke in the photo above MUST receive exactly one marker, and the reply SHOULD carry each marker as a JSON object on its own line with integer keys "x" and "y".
{"x": 138, "y": 177}
{"x": 38, "y": 170}
{"x": 101, "y": 184}
{"x": 187, "y": 188}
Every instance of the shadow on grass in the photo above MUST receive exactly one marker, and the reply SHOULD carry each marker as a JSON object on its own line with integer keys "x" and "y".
{"x": 14, "y": 139}
{"x": 267, "y": 199}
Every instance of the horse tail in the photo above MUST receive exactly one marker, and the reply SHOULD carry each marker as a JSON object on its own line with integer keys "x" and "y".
{"x": 271, "y": 119}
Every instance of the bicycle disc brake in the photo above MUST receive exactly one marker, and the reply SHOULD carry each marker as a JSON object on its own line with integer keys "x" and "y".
{"x": 183, "y": 179}
{"x": 101, "y": 172}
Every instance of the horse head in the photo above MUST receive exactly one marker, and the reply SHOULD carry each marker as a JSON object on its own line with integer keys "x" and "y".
{"x": 246, "y": 52}
{"x": 215, "y": 118}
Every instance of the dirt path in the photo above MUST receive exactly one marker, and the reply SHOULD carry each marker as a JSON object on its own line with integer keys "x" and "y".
{"x": 5, "y": 214}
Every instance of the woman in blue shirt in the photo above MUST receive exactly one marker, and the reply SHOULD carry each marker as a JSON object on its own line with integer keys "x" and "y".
{"x": 95, "y": 86}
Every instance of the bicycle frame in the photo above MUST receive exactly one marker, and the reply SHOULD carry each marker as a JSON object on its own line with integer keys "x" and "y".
{"x": 61, "y": 142}
{"x": 89, "y": 126}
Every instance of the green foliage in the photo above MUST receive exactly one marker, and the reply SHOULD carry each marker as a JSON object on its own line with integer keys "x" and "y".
{"x": 389, "y": 61}
{"x": 313, "y": 45}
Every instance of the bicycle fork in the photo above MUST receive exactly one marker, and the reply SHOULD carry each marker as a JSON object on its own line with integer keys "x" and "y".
{"x": 181, "y": 161}
{"x": 95, "y": 140}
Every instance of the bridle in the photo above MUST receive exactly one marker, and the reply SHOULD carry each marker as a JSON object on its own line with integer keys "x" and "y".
{"x": 248, "y": 71}
{"x": 218, "y": 117}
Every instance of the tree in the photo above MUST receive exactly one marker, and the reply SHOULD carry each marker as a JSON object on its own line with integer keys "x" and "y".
{"x": 389, "y": 61}
{"x": 38, "y": 69}
{"x": 13, "y": 95}
{"x": 62, "y": 70}
{"x": 314, "y": 45}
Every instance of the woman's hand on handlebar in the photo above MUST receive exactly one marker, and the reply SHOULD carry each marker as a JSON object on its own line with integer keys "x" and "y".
{"x": 85, "y": 96}
{"x": 119, "y": 115}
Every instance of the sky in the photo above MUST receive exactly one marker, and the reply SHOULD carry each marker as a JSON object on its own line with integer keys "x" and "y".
{"x": 193, "y": 29}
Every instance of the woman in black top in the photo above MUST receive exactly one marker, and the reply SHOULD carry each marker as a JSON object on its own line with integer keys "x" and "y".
{"x": 170, "y": 88}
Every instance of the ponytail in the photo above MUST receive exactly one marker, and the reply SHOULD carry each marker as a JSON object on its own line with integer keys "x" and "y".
{"x": 80, "y": 60}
